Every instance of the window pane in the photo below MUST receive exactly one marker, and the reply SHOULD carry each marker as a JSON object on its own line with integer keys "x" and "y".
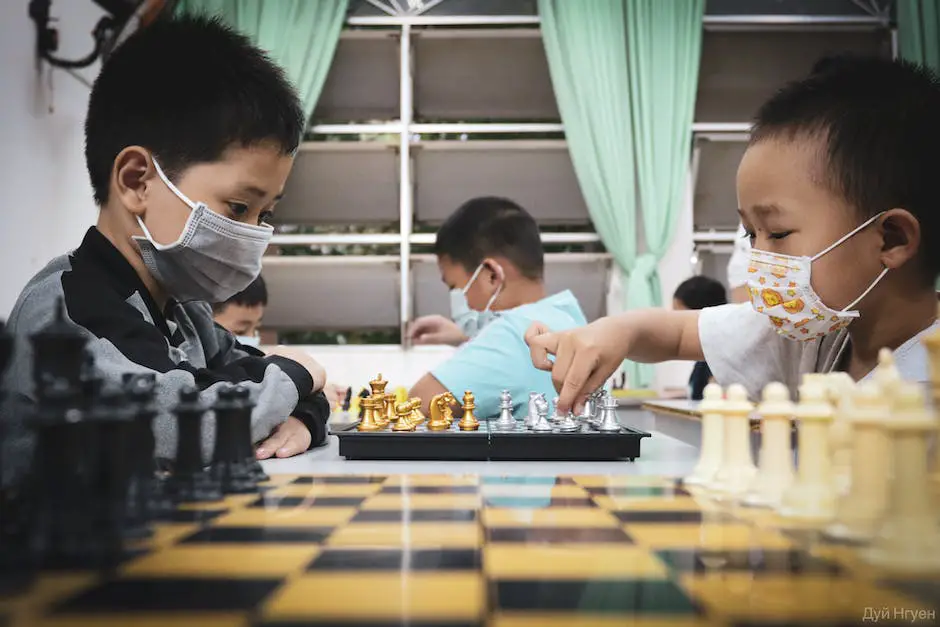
{"x": 363, "y": 82}
{"x": 341, "y": 183}
{"x": 790, "y": 7}
{"x": 536, "y": 174}
{"x": 716, "y": 199}
{"x": 328, "y": 293}
{"x": 464, "y": 75}
{"x": 740, "y": 70}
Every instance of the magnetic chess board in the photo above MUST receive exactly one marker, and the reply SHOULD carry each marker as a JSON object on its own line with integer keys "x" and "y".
{"x": 468, "y": 550}
{"x": 488, "y": 443}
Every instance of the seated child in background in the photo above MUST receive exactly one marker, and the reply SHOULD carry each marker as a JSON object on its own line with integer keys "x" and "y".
{"x": 490, "y": 254}
{"x": 838, "y": 193}
{"x": 696, "y": 293}
{"x": 241, "y": 315}
{"x": 189, "y": 139}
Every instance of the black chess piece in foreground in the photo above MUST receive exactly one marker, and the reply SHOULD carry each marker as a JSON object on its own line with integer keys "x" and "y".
{"x": 190, "y": 482}
{"x": 146, "y": 497}
{"x": 245, "y": 445}
{"x": 58, "y": 351}
{"x": 232, "y": 460}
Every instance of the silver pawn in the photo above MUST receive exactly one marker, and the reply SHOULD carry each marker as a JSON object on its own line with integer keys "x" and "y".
{"x": 555, "y": 418}
{"x": 608, "y": 416}
{"x": 542, "y": 425}
{"x": 568, "y": 424}
{"x": 532, "y": 417}
{"x": 506, "y": 420}
{"x": 590, "y": 409}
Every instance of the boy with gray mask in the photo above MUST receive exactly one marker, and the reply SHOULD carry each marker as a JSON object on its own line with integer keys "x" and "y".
{"x": 190, "y": 136}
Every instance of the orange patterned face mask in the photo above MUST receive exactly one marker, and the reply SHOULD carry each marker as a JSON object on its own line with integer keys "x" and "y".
{"x": 780, "y": 287}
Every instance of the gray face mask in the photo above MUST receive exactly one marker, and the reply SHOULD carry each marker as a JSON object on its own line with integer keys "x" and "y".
{"x": 214, "y": 257}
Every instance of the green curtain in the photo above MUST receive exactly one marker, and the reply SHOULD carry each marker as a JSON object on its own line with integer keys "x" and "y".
{"x": 625, "y": 73}
{"x": 919, "y": 36}
{"x": 664, "y": 48}
{"x": 300, "y": 35}
{"x": 919, "y": 31}
{"x": 585, "y": 43}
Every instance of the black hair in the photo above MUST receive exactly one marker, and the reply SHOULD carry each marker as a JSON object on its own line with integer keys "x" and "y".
{"x": 487, "y": 226}
{"x": 700, "y": 292}
{"x": 255, "y": 294}
{"x": 880, "y": 127}
{"x": 187, "y": 89}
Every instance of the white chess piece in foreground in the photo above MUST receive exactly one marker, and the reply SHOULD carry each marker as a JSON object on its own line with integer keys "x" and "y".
{"x": 737, "y": 469}
{"x": 858, "y": 511}
{"x": 712, "y": 436}
{"x": 775, "y": 473}
{"x": 908, "y": 539}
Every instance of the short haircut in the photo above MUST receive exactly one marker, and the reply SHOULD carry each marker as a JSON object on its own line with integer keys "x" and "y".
{"x": 700, "y": 292}
{"x": 255, "y": 294}
{"x": 490, "y": 226}
{"x": 879, "y": 123}
{"x": 187, "y": 89}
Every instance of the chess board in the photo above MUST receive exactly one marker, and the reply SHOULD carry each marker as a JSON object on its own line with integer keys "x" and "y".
{"x": 467, "y": 550}
{"x": 488, "y": 443}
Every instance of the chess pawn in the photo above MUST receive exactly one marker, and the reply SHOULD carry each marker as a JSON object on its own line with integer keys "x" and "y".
{"x": 533, "y": 414}
{"x": 886, "y": 374}
{"x": 859, "y": 510}
{"x": 775, "y": 472}
{"x": 390, "y": 415}
{"x": 554, "y": 418}
{"x": 840, "y": 388}
{"x": 812, "y": 498}
{"x": 506, "y": 420}
{"x": 908, "y": 539}
{"x": 468, "y": 422}
{"x": 737, "y": 469}
{"x": 368, "y": 422}
{"x": 378, "y": 385}
{"x": 190, "y": 482}
{"x": 403, "y": 413}
{"x": 709, "y": 462}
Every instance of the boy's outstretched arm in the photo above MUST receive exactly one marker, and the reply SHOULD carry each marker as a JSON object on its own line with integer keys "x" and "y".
{"x": 584, "y": 358}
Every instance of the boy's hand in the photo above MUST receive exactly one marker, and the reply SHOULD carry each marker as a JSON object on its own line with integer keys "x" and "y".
{"x": 304, "y": 359}
{"x": 584, "y": 359}
{"x": 290, "y": 438}
{"x": 335, "y": 393}
{"x": 436, "y": 330}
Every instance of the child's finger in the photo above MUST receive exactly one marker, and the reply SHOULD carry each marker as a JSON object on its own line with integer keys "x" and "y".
{"x": 277, "y": 439}
{"x": 296, "y": 444}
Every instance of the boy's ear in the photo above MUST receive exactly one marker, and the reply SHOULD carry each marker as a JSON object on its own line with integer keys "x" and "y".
{"x": 130, "y": 175}
{"x": 495, "y": 269}
{"x": 900, "y": 232}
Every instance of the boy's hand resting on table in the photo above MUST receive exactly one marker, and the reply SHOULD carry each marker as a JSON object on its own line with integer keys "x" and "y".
{"x": 290, "y": 438}
{"x": 436, "y": 330}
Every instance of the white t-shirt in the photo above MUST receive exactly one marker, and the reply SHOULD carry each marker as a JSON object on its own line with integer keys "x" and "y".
{"x": 741, "y": 346}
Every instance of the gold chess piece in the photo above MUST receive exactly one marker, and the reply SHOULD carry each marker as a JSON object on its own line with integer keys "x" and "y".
{"x": 378, "y": 385}
{"x": 448, "y": 409}
{"x": 378, "y": 409}
{"x": 417, "y": 416}
{"x": 368, "y": 422}
{"x": 469, "y": 422}
{"x": 438, "y": 420}
{"x": 403, "y": 413}
{"x": 390, "y": 414}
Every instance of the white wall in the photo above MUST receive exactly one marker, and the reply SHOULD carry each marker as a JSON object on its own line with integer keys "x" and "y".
{"x": 46, "y": 194}
{"x": 355, "y": 366}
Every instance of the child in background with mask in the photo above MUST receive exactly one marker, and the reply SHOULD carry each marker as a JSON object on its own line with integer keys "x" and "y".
{"x": 838, "y": 194}
{"x": 189, "y": 139}
{"x": 490, "y": 256}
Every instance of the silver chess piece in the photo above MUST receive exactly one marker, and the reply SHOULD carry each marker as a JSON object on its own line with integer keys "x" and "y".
{"x": 608, "y": 416}
{"x": 589, "y": 411}
{"x": 532, "y": 417}
{"x": 555, "y": 418}
{"x": 506, "y": 420}
{"x": 542, "y": 425}
{"x": 568, "y": 424}
{"x": 600, "y": 398}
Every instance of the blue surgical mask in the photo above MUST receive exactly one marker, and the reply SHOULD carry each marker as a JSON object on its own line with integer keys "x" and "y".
{"x": 469, "y": 320}
{"x": 249, "y": 340}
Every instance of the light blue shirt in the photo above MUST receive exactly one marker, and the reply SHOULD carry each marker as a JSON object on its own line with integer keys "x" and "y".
{"x": 498, "y": 358}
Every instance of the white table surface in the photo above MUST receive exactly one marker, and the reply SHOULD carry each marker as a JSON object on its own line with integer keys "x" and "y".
{"x": 659, "y": 455}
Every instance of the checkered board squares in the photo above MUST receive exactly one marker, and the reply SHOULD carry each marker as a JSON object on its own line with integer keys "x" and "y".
{"x": 449, "y": 550}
